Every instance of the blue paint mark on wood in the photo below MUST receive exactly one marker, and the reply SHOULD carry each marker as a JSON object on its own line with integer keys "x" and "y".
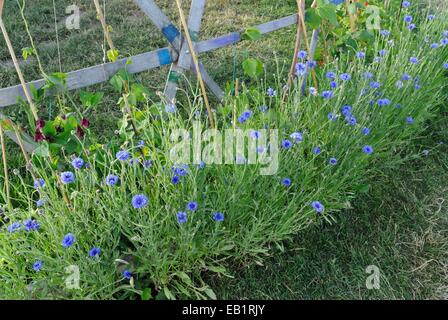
{"x": 170, "y": 32}
{"x": 164, "y": 57}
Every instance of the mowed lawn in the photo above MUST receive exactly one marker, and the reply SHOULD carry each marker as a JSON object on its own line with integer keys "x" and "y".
{"x": 400, "y": 225}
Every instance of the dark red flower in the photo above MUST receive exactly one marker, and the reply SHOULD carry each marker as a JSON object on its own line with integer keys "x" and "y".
{"x": 79, "y": 132}
{"x": 39, "y": 136}
{"x": 40, "y": 124}
{"x": 59, "y": 129}
{"x": 85, "y": 123}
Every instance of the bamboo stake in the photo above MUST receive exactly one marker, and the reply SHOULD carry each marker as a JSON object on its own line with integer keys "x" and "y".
{"x": 103, "y": 23}
{"x": 294, "y": 59}
{"x": 16, "y": 64}
{"x": 5, "y": 167}
{"x": 351, "y": 16}
{"x": 196, "y": 63}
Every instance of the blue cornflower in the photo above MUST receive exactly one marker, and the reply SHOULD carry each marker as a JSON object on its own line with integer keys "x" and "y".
{"x": 317, "y": 206}
{"x": 286, "y": 144}
{"x": 411, "y": 26}
{"x": 247, "y": 114}
{"x": 365, "y": 131}
{"x": 77, "y": 163}
{"x": 444, "y": 41}
{"x": 417, "y": 86}
{"x": 201, "y": 165}
{"x": 312, "y": 91}
{"x": 351, "y": 120}
{"x": 181, "y": 217}
{"x": 445, "y": 65}
{"x": 345, "y": 77}
{"x": 407, "y": 19}
{"x": 346, "y": 111}
{"x": 241, "y": 119}
{"x": 286, "y": 182}
{"x": 367, "y": 149}
{"x": 218, "y": 216}
{"x": 333, "y": 84}
{"x": 333, "y": 161}
{"x": 175, "y": 179}
{"x": 111, "y": 180}
{"x": 316, "y": 150}
{"x": 375, "y": 84}
{"x": 383, "y": 102}
{"x": 297, "y": 137}
{"x": 382, "y": 53}
{"x": 361, "y": 55}
{"x": 255, "y": 134}
{"x": 139, "y": 201}
{"x": 331, "y": 75}
{"x": 31, "y": 225}
{"x": 127, "y": 274}
{"x": 431, "y": 17}
{"x": 327, "y": 94}
{"x": 147, "y": 164}
{"x": 302, "y": 54}
{"x": 331, "y": 116}
{"x": 182, "y": 172}
{"x": 94, "y": 252}
{"x": 409, "y": 120}
{"x": 170, "y": 108}
{"x": 192, "y": 206}
{"x": 141, "y": 143}
{"x": 40, "y": 203}
{"x": 67, "y": 177}
{"x": 37, "y": 266}
{"x": 385, "y": 33}
{"x": 406, "y": 4}
{"x": 413, "y": 60}
{"x": 405, "y": 77}
{"x": 434, "y": 45}
{"x": 133, "y": 161}
{"x": 271, "y": 92}
{"x": 300, "y": 69}
{"x": 311, "y": 64}
{"x": 367, "y": 75}
{"x": 123, "y": 155}
{"x": 68, "y": 241}
{"x": 39, "y": 183}
{"x": 13, "y": 227}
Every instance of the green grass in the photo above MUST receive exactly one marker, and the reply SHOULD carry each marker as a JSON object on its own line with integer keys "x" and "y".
{"x": 401, "y": 226}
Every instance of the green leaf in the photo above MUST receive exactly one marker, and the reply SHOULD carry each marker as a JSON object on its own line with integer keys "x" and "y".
{"x": 185, "y": 278}
{"x": 210, "y": 293}
{"x": 146, "y": 294}
{"x": 253, "y": 67}
{"x": 168, "y": 294}
{"x": 251, "y": 34}
{"x": 89, "y": 99}
{"x": 49, "y": 129}
{"x": 42, "y": 150}
{"x": 117, "y": 82}
{"x": 312, "y": 18}
{"x": 112, "y": 55}
{"x": 328, "y": 12}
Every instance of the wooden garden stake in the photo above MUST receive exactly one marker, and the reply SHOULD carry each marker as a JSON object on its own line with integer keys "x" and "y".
{"x": 351, "y": 15}
{"x": 5, "y": 167}
{"x": 103, "y": 23}
{"x": 196, "y": 64}
{"x": 296, "y": 52}
{"x": 16, "y": 64}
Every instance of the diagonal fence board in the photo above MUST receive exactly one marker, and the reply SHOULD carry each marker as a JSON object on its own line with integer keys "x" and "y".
{"x": 146, "y": 61}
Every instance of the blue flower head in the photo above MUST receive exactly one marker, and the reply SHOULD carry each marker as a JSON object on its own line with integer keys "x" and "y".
{"x": 409, "y": 120}
{"x": 94, "y": 252}
{"x": 411, "y": 26}
{"x": 361, "y": 55}
{"x": 123, "y": 155}
{"x": 31, "y": 225}
{"x": 317, "y": 206}
{"x": 316, "y": 150}
{"x": 327, "y": 94}
{"x": 39, "y": 183}
{"x": 407, "y": 19}
{"x": 181, "y": 217}
{"x": 192, "y": 205}
{"x": 286, "y": 144}
{"x": 406, "y": 4}
{"x": 67, "y": 177}
{"x": 385, "y": 33}
{"x": 271, "y": 92}
{"x": 351, "y": 120}
{"x": 170, "y": 108}
{"x": 111, "y": 180}
{"x": 431, "y": 17}
{"x": 77, "y": 163}
{"x": 300, "y": 69}
{"x": 331, "y": 116}
{"x": 139, "y": 201}
{"x": 218, "y": 216}
{"x": 255, "y": 134}
{"x": 40, "y": 203}
{"x": 296, "y": 136}
{"x": 345, "y": 77}
{"x": 367, "y": 75}
{"x": 383, "y": 102}
{"x": 333, "y": 84}
{"x": 175, "y": 179}
{"x": 127, "y": 274}
{"x": 302, "y": 54}
{"x": 330, "y": 75}
{"x": 311, "y": 64}
{"x": 333, "y": 161}
{"x": 37, "y": 266}
{"x": 367, "y": 149}
{"x": 14, "y": 227}
{"x": 68, "y": 240}
{"x": 413, "y": 60}
{"x": 365, "y": 131}
{"x": 346, "y": 111}
{"x": 286, "y": 182}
